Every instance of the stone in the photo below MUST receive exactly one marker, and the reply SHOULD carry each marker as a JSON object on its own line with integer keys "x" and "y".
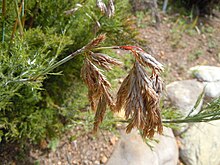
{"x": 212, "y": 89}
{"x": 184, "y": 94}
{"x": 132, "y": 150}
{"x": 113, "y": 140}
{"x": 210, "y": 76}
{"x": 103, "y": 159}
{"x": 206, "y": 73}
{"x": 200, "y": 145}
{"x": 96, "y": 162}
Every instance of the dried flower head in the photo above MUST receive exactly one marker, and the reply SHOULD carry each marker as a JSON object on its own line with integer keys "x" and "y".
{"x": 139, "y": 94}
{"x": 96, "y": 83}
{"x": 144, "y": 58}
{"x": 101, "y": 5}
{"x": 104, "y": 60}
{"x": 109, "y": 10}
{"x": 99, "y": 88}
{"x": 95, "y": 42}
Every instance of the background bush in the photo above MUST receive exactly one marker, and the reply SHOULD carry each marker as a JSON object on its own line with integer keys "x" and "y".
{"x": 36, "y": 110}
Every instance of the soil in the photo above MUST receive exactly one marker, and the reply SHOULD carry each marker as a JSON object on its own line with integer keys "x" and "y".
{"x": 178, "y": 46}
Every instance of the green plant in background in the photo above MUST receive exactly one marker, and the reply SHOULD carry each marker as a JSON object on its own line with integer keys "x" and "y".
{"x": 195, "y": 55}
{"x": 197, "y": 7}
{"x": 36, "y": 104}
{"x": 208, "y": 113}
{"x": 185, "y": 24}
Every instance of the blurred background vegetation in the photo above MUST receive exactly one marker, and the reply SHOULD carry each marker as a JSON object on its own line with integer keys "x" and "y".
{"x": 34, "y": 35}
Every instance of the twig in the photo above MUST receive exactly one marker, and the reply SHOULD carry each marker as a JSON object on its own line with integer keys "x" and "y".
{"x": 18, "y": 17}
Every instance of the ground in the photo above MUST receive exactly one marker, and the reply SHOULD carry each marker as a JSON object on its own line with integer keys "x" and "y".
{"x": 178, "y": 45}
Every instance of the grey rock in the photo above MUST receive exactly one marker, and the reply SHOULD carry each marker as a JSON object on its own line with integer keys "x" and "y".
{"x": 206, "y": 73}
{"x": 184, "y": 94}
{"x": 200, "y": 145}
{"x": 212, "y": 89}
{"x": 132, "y": 150}
{"x": 210, "y": 76}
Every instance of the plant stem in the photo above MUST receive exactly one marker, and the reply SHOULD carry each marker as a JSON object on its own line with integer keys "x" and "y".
{"x": 108, "y": 47}
{"x": 195, "y": 119}
{"x": 22, "y": 13}
{"x": 69, "y": 57}
{"x": 64, "y": 60}
{"x": 3, "y": 19}
{"x": 18, "y": 17}
{"x": 190, "y": 120}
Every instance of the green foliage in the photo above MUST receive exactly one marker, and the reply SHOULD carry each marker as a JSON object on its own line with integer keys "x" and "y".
{"x": 41, "y": 107}
{"x": 23, "y": 112}
{"x": 197, "y": 7}
{"x": 209, "y": 112}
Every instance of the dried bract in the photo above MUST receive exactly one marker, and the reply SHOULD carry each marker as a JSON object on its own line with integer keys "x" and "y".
{"x": 95, "y": 42}
{"x": 98, "y": 86}
{"x": 101, "y": 5}
{"x": 147, "y": 60}
{"x": 96, "y": 83}
{"x": 72, "y": 11}
{"x": 100, "y": 112}
{"x": 110, "y": 9}
{"x": 144, "y": 58}
{"x": 104, "y": 60}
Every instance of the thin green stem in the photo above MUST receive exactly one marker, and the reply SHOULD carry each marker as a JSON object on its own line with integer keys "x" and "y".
{"x": 22, "y": 13}
{"x": 69, "y": 57}
{"x": 3, "y": 19}
{"x": 190, "y": 120}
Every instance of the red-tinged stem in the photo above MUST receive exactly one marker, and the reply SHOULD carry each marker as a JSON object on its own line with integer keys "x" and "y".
{"x": 130, "y": 48}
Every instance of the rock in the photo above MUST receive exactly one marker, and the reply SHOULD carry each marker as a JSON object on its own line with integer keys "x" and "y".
{"x": 103, "y": 159}
{"x": 132, "y": 150}
{"x": 184, "y": 94}
{"x": 96, "y": 162}
{"x": 206, "y": 73}
{"x": 113, "y": 140}
{"x": 200, "y": 145}
{"x": 212, "y": 90}
{"x": 211, "y": 78}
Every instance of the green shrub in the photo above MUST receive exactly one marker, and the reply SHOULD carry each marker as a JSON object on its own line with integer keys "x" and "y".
{"x": 199, "y": 7}
{"x": 40, "y": 108}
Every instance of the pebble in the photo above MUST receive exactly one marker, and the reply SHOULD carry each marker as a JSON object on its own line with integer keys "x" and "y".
{"x": 113, "y": 140}
{"x": 96, "y": 162}
{"x": 103, "y": 159}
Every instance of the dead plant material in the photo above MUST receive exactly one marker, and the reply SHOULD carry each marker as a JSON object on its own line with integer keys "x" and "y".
{"x": 96, "y": 83}
{"x": 139, "y": 94}
{"x": 72, "y": 11}
{"x": 95, "y": 42}
{"x": 104, "y": 60}
{"x": 144, "y": 58}
{"x": 101, "y": 5}
{"x": 99, "y": 88}
{"x": 109, "y": 10}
